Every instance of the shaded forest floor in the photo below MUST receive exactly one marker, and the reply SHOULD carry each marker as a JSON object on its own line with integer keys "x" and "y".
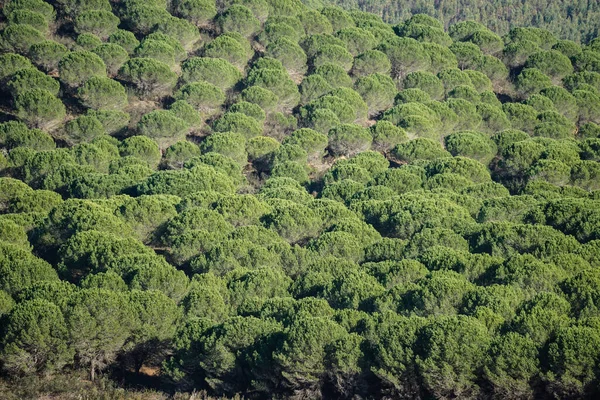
{"x": 76, "y": 386}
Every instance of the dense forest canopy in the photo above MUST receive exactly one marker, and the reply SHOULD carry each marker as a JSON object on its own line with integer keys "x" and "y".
{"x": 288, "y": 200}
{"x": 577, "y": 20}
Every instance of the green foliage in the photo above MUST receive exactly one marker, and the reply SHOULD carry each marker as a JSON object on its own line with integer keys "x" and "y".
{"x": 427, "y": 82}
{"x": 313, "y": 43}
{"x": 443, "y": 339}
{"x": 180, "y": 182}
{"x": 274, "y": 30}
{"x": 211, "y": 207}
{"x": 521, "y": 116}
{"x": 238, "y": 18}
{"x": 386, "y": 135}
{"x": 87, "y": 41}
{"x": 406, "y": 55}
{"x": 229, "y": 144}
{"x": 185, "y": 32}
{"x": 347, "y": 139}
{"x": 260, "y": 148}
{"x": 419, "y": 149}
{"x": 186, "y": 112}
{"x": 83, "y": 129}
{"x": 471, "y": 144}
{"x": 142, "y": 148}
{"x": 531, "y": 81}
{"x": 33, "y": 5}
{"x": 19, "y": 38}
{"x": 249, "y": 109}
{"x": 29, "y": 17}
{"x": 162, "y": 126}
{"x": 75, "y": 68}
{"x": 149, "y": 76}
{"x": 113, "y": 55}
{"x": 212, "y": 70}
{"x": 31, "y": 78}
{"x": 551, "y": 63}
{"x": 198, "y": 12}
{"x": 237, "y": 122}
{"x": 229, "y": 49}
{"x": 99, "y": 322}
{"x": 338, "y": 18}
{"x": 493, "y": 118}
{"x": 335, "y": 75}
{"x": 371, "y": 62}
{"x": 203, "y": 96}
{"x": 177, "y": 154}
{"x": 340, "y": 107}
{"x": 315, "y": 23}
{"x": 572, "y": 373}
{"x": 264, "y": 98}
{"x": 332, "y": 54}
{"x": 98, "y": 22}
{"x": 16, "y": 134}
{"x": 377, "y": 90}
{"x": 102, "y": 93}
{"x": 39, "y": 108}
{"x": 290, "y": 169}
{"x": 467, "y": 54}
{"x": 292, "y": 221}
{"x": 180, "y": 53}
{"x": 278, "y": 82}
{"x": 36, "y": 338}
{"x": 11, "y": 63}
{"x": 357, "y": 40}
{"x": 313, "y": 142}
{"x": 399, "y": 180}
{"x": 156, "y": 49}
{"x": 290, "y": 54}
{"x": 124, "y": 39}
{"x": 21, "y": 269}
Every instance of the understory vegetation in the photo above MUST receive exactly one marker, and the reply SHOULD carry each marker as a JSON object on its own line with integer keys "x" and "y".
{"x": 273, "y": 199}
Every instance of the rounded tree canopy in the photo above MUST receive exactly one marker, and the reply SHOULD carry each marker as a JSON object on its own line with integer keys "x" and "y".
{"x": 99, "y": 22}
{"x": 163, "y": 126}
{"x": 238, "y": 123}
{"x": 31, "y": 78}
{"x": 113, "y": 55}
{"x": 419, "y": 149}
{"x": 102, "y": 93}
{"x": 11, "y": 63}
{"x": 349, "y": 139}
{"x": 201, "y": 95}
{"x": 148, "y": 75}
{"x": 240, "y": 19}
{"x": 125, "y": 39}
{"x": 39, "y": 108}
{"x": 216, "y": 71}
{"x": 198, "y": 12}
{"x": 370, "y": 62}
{"x": 227, "y": 48}
{"x": 20, "y": 37}
{"x": 264, "y": 98}
{"x": 28, "y": 17}
{"x": 77, "y": 67}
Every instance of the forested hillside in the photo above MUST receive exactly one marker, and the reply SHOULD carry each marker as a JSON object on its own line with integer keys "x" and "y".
{"x": 577, "y": 20}
{"x": 265, "y": 198}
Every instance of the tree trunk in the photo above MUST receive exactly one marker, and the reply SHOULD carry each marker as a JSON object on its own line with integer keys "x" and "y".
{"x": 93, "y": 370}
{"x": 139, "y": 363}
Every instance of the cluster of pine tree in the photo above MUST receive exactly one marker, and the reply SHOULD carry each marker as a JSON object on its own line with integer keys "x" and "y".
{"x": 575, "y": 19}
